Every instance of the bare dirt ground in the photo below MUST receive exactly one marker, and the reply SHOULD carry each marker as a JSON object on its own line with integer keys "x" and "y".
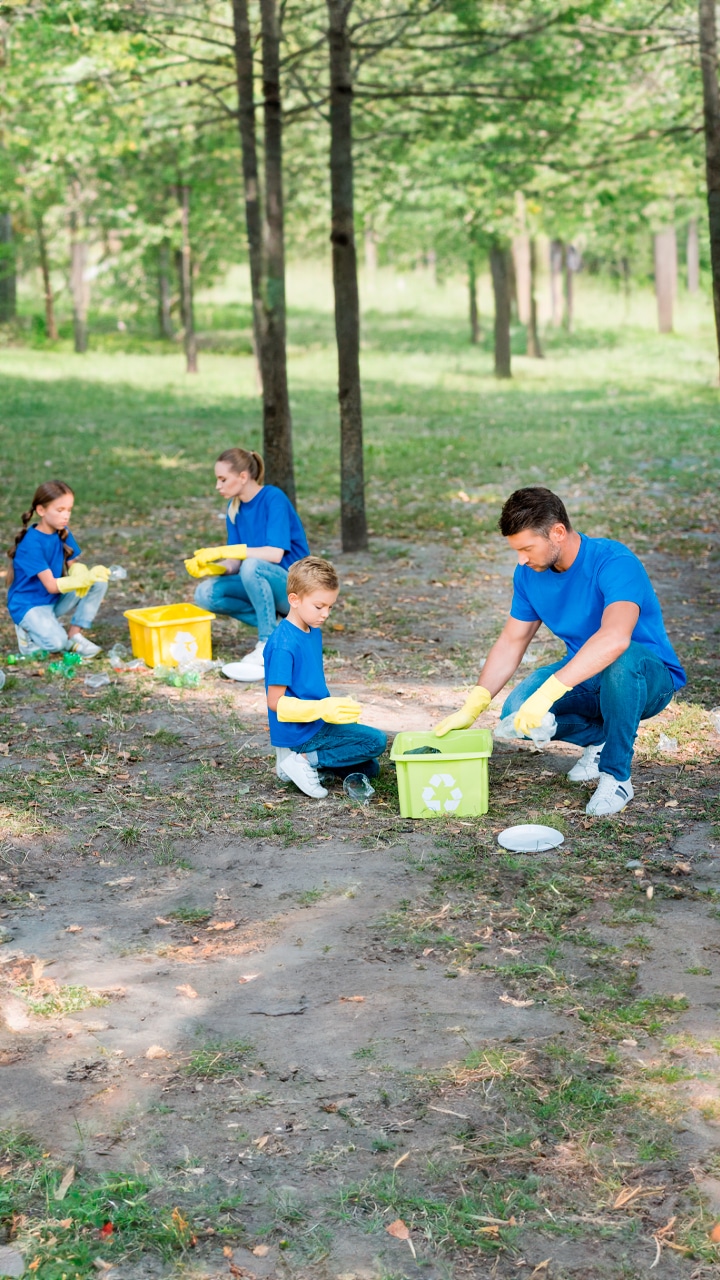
{"x": 310, "y": 1021}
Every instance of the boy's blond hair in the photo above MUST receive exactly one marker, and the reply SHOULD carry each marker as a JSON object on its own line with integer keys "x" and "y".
{"x": 311, "y": 574}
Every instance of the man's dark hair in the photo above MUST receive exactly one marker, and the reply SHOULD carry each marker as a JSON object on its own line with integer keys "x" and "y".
{"x": 533, "y": 508}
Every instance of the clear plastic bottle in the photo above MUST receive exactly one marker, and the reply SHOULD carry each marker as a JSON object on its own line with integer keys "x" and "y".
{"x": 506, "y": 731}
{"x": 117, "y": 573}
{"x": 2, "y": 679}
{"x": 97, "y": 680}
{"x": 358, "y": 789}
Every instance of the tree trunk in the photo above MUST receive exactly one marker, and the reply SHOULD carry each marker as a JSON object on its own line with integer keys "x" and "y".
{"x": 472, "y": 291}
{"x": 347, "y": 304}
{"x": 533, "y": 337}
{"x": 371, "y": 261}
{"x": 165, "y": 327}
{"x": 50, "y": 325}
{"x": 711, "y": 104}
{"x": 245, "y": 78}
{"x": 665, "y": 277}
{"x": 521, "y": 264}
{"x": 79, "y": 286}
{"x": 8, "y": 287}
{"x": 186, "y": 293}
{"x": 692, "y": 257}
{"x": 500, "y": 271}
{"x": 557, "y": 254}
{"x": 277, "y": 422}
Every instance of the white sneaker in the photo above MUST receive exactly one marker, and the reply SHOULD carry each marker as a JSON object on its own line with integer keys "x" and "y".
{"x": 83, "y": 646}
{"x": 299, "y": 770}
{"x": 609, "y": 797}
{"x": 251, "y": 667}
{"x": 587, "y": 768}
{"x": 282, "y": 753}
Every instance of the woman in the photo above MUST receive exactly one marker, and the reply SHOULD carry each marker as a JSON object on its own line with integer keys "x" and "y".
{"x": 247, "y": 578}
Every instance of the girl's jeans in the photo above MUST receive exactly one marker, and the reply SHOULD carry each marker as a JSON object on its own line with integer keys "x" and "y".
{"x": 606, "y": 708}
{"x": 40, "y": 628}
{"x": 255, "y": 595}
{"x": 337, "y": 745}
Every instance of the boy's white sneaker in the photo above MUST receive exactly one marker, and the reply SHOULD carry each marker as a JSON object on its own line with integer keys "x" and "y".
{"x": 299, "y": 770}
{"x": 85, "y": 647}
{"x": 252, "y": 666}
{"x": 586, "y": 768}
{"x": 609, "y": 797}
{"x": 282, "y": 753}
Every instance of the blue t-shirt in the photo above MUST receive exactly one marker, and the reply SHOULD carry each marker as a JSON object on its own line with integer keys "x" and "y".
{"x": 269, "y": 520}
{"x": 571, "y": 604}
{"x": 36, "y": 552}
{"x": 294, "y": 658}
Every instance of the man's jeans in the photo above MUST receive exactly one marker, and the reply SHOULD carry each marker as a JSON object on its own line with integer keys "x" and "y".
{"x": 254, "y": 596}
{"x": 606, "y": 708}
{"x": 40, "y": 628}
{"x": 336, "y": 746}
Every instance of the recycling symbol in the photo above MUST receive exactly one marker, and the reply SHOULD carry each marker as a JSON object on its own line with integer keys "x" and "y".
{"x": 430, "y": 798}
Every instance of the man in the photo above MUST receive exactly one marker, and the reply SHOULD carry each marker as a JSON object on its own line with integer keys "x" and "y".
{"x": 620, "y": 667}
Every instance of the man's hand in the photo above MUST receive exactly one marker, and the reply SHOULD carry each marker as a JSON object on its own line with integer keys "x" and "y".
{"x": 535, "y": 708}
{"x": 477, "y": 702}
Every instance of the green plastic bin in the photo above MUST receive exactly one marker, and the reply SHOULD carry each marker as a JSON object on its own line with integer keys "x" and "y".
{"x": 455, "y": 782}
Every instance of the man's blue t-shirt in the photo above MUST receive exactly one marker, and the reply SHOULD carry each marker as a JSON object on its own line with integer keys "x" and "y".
{"x": 294, "y": 658}
{"x": 269, "y": 520}
{"x": 36, "y": 552}
{"x": 571, "y": 604}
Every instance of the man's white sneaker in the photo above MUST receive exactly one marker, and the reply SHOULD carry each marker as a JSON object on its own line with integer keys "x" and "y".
{"x": 586, "y": 768}
{"x": 252, "y": 666}
{"x": 609, "y": 797}
{"x": 85, "y": 647}
{"x": 300, "y": 771}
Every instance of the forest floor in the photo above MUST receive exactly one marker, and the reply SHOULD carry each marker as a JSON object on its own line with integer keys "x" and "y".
{"x": 243, "y": 1033}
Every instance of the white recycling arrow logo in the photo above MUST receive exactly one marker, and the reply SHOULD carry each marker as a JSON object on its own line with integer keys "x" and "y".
{"x": 430, "y": 798}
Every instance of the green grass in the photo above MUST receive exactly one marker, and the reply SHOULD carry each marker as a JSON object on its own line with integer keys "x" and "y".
{"x": 217, "y": 1058}
{"x": 62, "y": 1000}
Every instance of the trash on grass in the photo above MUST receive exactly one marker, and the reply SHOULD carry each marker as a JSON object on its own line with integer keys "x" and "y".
{"x": 2, "y": 679}
{"x": 117, "y": 573}
{"x": 358, "y": 789}
{"x": 530, "y": 837}
{"x": 667, "y": 745}
{"x": 97, "y": 680}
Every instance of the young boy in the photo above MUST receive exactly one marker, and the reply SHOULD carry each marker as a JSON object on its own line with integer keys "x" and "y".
{"x": 307, "y": 727}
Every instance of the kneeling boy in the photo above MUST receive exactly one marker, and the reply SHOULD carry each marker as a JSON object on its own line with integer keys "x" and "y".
{"x": 307, "y": 727}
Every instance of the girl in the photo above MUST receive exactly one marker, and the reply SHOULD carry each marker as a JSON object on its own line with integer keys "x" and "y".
{"x": 265, "y": 538}
{"x": 45, "y": 581}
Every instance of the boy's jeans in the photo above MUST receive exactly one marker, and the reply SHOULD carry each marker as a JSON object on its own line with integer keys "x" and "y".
{"x": 254, "y": 596}
{"x": 606, "y": 708}
{"x": 337, "y": 745}
{"x": 40, "y": 628}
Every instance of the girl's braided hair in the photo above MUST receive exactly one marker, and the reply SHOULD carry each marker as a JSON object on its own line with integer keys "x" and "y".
{"x": 43, "y": 495}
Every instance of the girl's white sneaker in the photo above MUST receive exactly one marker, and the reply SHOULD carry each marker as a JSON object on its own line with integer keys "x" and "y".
{"x": 85, "y": 647}
{"x": 586, "y": 768}
{"x": 299, "y": 770}
{"x": 609, "y": 797}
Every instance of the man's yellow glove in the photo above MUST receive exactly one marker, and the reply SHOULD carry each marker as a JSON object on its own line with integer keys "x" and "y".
{"x": 99, "y": 573}
{"x": 331, "y": 710}
{"x": 477, "y": 702}
{"x": 206, "y": 555}
{"x": 78, "y": 579}
{"x": 531, "y": 714}
{"x": 197, "y": 570}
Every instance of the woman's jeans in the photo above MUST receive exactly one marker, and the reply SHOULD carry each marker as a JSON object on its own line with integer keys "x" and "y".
{"x": 255, "y": 595}
{"x": 40, "y": 628}
{"x": 337, "y": 745}
{"x": 606, "y": 708}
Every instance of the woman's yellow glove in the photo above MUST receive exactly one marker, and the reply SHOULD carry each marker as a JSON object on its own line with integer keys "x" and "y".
{"x": 477, "y": 702}
{"x": 206, "y": 555}
{"x": 197, "y": 570}
{"x": 331, "y": 710}
{"x": 78, "y": 579}
{"x": 531, "y": 714}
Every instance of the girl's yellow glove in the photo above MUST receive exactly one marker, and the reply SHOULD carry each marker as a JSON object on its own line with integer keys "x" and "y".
{"x": 197, "y": 570}
{"x": 530, "y": 716}
{"x": 477, "y": 702}
{"x": 99, "y": 573}
{"x": 206, "y": 555}
{"x": 78, "y": 579}
{"x": 331, "y": 710}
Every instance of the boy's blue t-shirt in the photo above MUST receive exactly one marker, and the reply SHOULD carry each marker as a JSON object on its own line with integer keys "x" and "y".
{"x": 36, "y": 552}
{"x": 269, "y": 520}
{"x": 571, "y": 604}
{"x": 294, "y": 658}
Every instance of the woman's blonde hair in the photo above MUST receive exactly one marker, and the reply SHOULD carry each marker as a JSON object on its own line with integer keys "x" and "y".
{"x": 42, "y": 497}
{"x": 310, "y": 574}
{"x": 240, "y": 460}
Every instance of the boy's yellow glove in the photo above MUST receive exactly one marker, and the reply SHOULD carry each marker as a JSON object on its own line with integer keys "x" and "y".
{"x": 78, "y": 579}
{"x": 206, "y": 555}
{"x": 197, "y": 570}
{"x": 331, "y": 710}
{"x": 477, "y": 702}
{"x": 99, "y": 573}
{"x": 530, "y": 716}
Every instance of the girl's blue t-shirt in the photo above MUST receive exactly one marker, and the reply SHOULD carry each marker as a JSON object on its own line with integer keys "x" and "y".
{"x": 294, "y": 658}
{"x": 269, "y": 520}
{"x": 571, "y": 604}
{"x": 36, "y": 552}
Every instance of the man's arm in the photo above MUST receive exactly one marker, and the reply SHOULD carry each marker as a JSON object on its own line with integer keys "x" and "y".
{"x": 616, "y": 628}
{"x": 506, "y": 654}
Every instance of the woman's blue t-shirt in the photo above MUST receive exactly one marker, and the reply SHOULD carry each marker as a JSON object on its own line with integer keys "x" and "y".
{"x": 269, "y": 520}
{"x": 36, "y": 552}
{"x": 571, "y": 604}
{"x": 294, "y": 658}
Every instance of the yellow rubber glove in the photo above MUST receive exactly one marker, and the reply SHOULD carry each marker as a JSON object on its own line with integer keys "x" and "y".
{"x": 206, "y": 555}
{"x": 78, "y": 579}
{"x": 99, "y": 573}
{"x": 202, "y": 570}
{"x": 530, "y": 715}
{"x": 331, "y": 710}
{"x": 477, "y": 702}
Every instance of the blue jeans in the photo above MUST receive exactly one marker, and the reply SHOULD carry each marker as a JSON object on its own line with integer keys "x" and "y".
{"x": 336, "y": 746}
{"x": 40, "y": 628}
{"x": 254, "y": 596}
{"x": 606, "y": 708}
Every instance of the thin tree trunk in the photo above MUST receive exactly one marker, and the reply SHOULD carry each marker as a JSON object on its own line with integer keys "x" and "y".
{"x": 711, "y": 104}
{"x": 557, "y": 255}
{"x": 50, "y": 324}
{"x": 245, "y": 77}
{"x": 521, "y": 265}
{"x": 79, "y": 287}
{"x": 165, "y": 327}
{"x": 472, "y": 292}
{"x": 665, "y": 277}
{"x": 569, "y": 271}
{"x": 188, "y": 317}
{"x": 500, "y": 271}
{"x": 8, "y": 286}
{"x": 347, "y": 303}
{"x": 692, "y": 256}
{"x": 371, "y": 261}
{"x": 277, "y": 421}
{"x": 533, "y": 336}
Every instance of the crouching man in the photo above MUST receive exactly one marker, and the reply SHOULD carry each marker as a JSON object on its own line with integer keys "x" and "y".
{"x": 619, "y": 669}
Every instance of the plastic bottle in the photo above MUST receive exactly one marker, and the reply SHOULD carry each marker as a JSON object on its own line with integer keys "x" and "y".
{"x": 506, "y": 731}
{"x": 357, "y": 788}
{"x": 97, "y": 680}
{"x": 118, "y": 655}
{"x": 117, "y": 573}
{"x": 2, "y": 679}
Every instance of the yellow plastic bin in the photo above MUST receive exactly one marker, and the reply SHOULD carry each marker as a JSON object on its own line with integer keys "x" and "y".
{"x": 170, "y": 634}
{"x": 454, "y": 783}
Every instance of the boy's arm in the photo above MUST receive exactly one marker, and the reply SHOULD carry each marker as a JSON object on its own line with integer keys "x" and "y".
{"x": 305, "y": 710}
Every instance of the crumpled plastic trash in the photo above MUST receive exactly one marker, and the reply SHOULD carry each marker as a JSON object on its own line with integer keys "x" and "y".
{"x": 176, "y": 678}
{"x": 506, "y": 731}
{"x": 199, "y": 666}
{"x": 2, "y": 679}
{"x": 357, "y": 788}
{"x": 423, "y": 751}
{"x": 37, "y": 655}
{"x": 117, "y": 573}
{"x": 97, "y": 680}
{"x": 68, "y": 666}
{"x": 715, "y": 717}
{"x": 667, "y": 745}
{"x": 120, "y": 660}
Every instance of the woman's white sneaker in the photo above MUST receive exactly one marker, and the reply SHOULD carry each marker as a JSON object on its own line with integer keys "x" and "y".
{"x": 609, "y": 797}
{"x": 252, "y": 666}
{"x": 300, "y": 771}
{"x": 586, "y": 768}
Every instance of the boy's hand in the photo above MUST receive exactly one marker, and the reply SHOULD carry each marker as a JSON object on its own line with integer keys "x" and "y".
{"x": 339, "y": 710}
{"x": 305, "y": 710}
{"x": 197, "y": 570}
{"x": 477, "y": 702}
{"x": 206, "y": 555}
{"x": 535, "y": 708}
